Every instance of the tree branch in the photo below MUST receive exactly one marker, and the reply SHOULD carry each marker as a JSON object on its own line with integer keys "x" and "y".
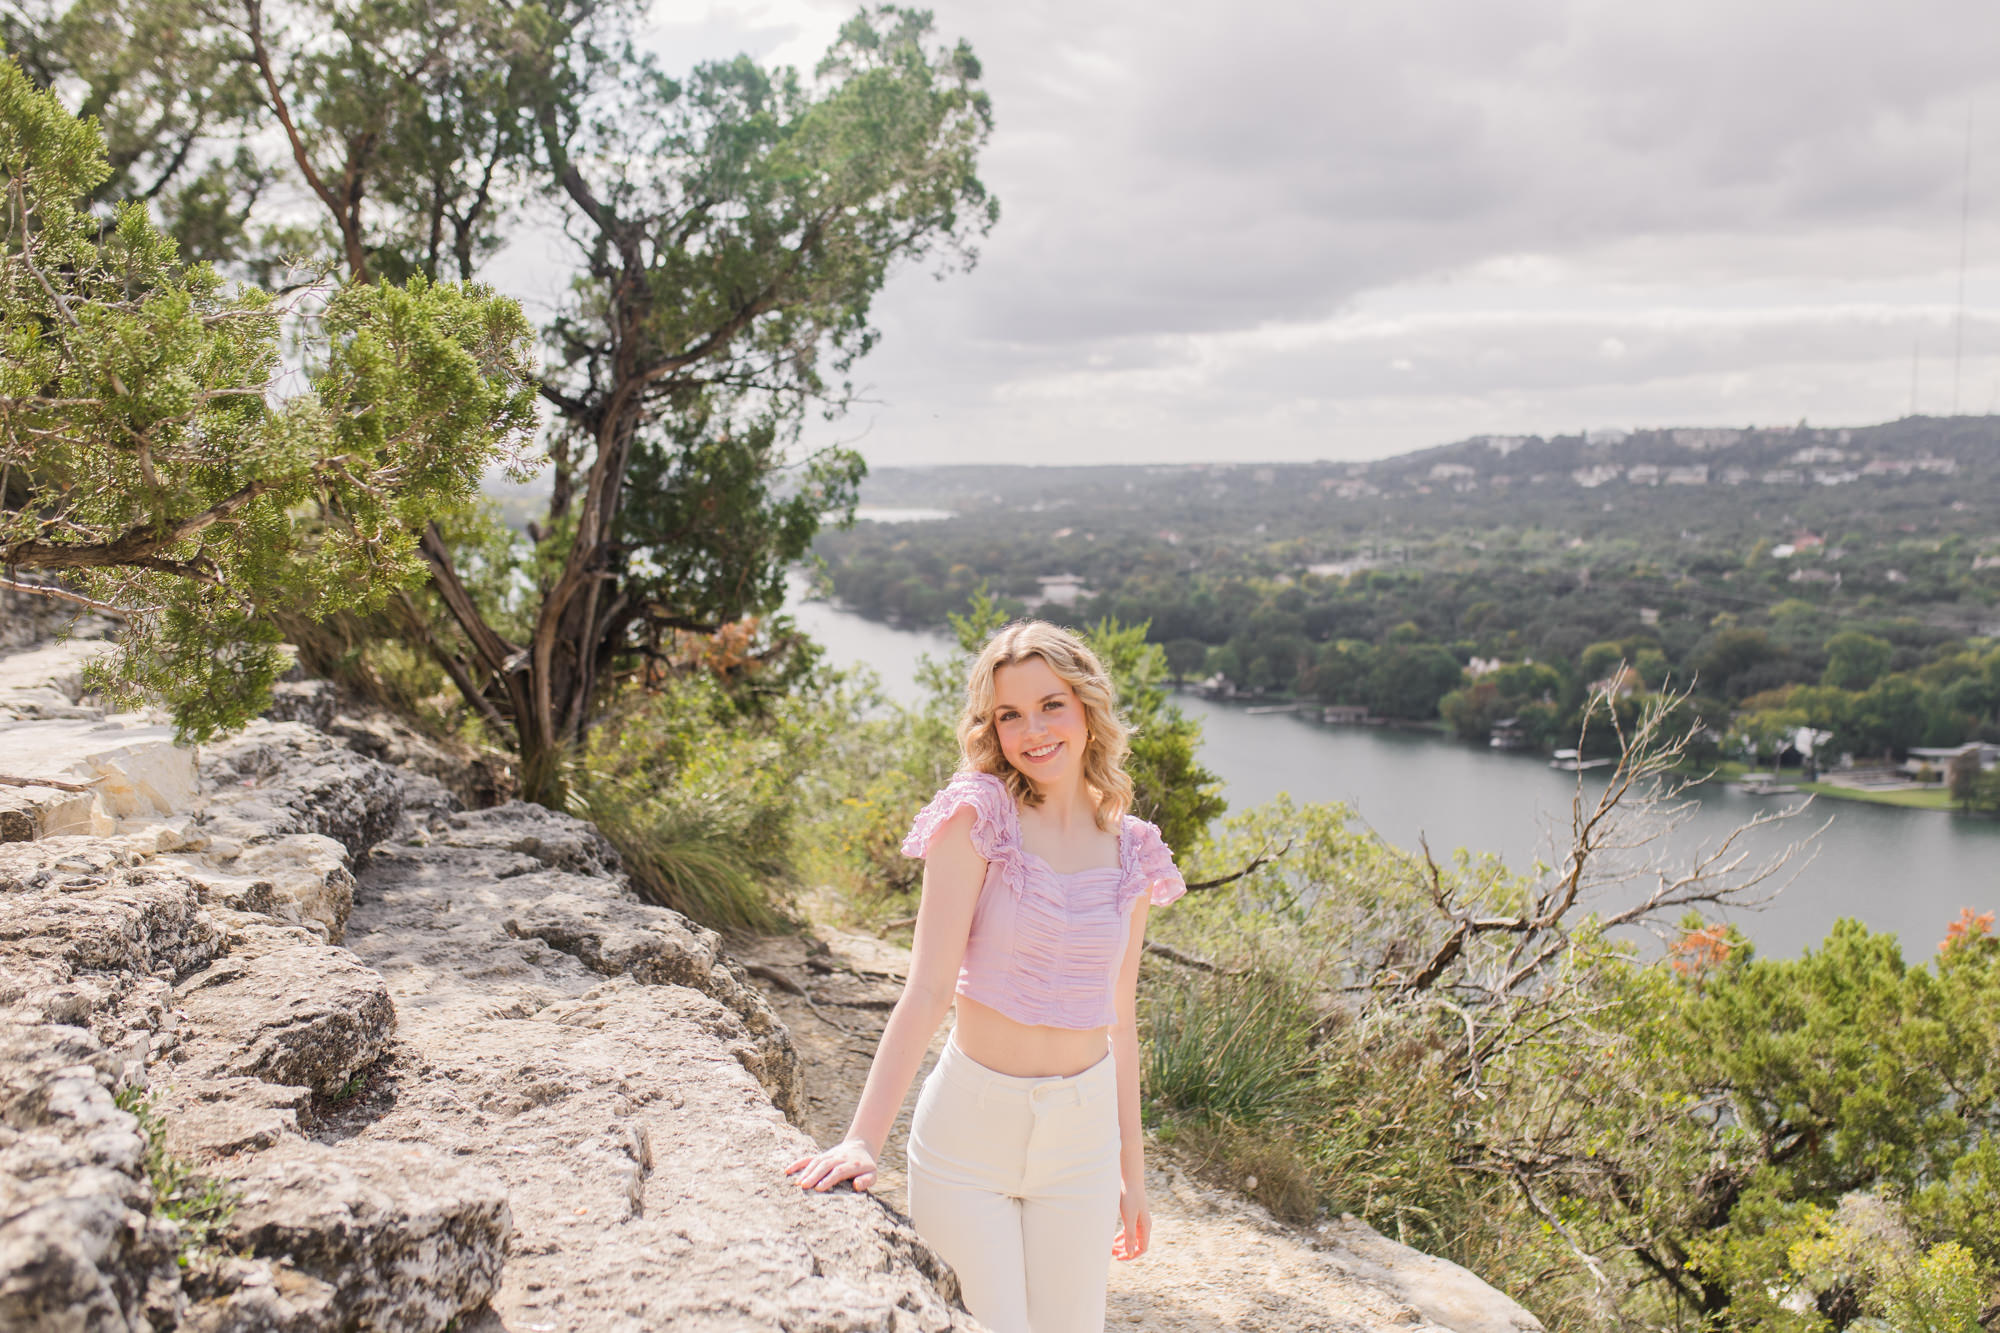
{"x": 1173, "y": 955}
{"x": 260, "y": 55}
{"x": 494, "y": 651}
{"x": 136, "y": 547}
{"x": 65, "y": 595}
{"x": 8, "y": 780}
{"x": 1256, "y": 862}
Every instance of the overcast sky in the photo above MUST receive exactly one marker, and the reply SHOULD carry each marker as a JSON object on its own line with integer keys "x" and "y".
{"x": 1343, "y": 230}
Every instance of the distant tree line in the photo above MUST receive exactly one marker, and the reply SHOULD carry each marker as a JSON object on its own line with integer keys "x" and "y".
{"x": 1504, "y": 624}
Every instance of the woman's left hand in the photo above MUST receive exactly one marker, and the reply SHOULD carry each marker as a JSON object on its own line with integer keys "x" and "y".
{"x": 1135, "y": 1229}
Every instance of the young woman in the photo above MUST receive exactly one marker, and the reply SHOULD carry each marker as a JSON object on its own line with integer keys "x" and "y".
{"x": 1025, "y": 1152}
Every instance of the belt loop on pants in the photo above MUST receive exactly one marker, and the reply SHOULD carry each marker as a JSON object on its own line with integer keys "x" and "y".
{"x": 1058, "y": 1092}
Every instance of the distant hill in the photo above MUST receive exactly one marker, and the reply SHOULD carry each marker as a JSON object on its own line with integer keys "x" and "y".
{"x": 1920, "y": 474}
{"x": 1567, "y": 535}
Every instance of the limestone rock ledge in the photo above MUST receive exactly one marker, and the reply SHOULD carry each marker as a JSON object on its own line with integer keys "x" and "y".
{"x": 452, "y": 1072}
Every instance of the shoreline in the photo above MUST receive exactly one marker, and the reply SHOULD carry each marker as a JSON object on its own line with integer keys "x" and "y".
{"x": 1935, "y": 798}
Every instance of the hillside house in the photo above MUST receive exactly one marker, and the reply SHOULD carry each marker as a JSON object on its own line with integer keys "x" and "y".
{"x": 1704, "y": 441}
{"x": 1058, "y": 590}
{"x": 1939, "y": 758}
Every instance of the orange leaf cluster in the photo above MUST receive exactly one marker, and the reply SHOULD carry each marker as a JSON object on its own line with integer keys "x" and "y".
{"x": 1966, "y": 929}
{"x": 731, "y": 652}
{"x": 1699, "y": 950}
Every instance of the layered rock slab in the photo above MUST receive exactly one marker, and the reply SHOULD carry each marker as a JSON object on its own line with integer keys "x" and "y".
{"x": 520, "y": 1061}
{"x": 79, "y": 1246}
{"x": 308, "y": 1016}
{"x": 273, "y": 779}
{"x": 402, "y": 1238}
{"x": 632, "y": 1124}
{"x": 188, "y": 949}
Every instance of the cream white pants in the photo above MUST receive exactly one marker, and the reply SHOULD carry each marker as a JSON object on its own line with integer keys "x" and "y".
{"x": 1014, "y": 1181}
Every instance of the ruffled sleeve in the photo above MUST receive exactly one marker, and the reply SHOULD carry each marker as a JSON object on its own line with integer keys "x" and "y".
{"x": 996, "y": 833}
{"x": 1150, "y": 867}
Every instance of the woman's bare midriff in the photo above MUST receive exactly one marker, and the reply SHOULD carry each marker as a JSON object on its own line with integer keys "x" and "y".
{"x": 1026, "y": 1050}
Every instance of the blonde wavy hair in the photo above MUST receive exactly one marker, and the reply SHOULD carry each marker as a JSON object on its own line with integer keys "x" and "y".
{"x": 1071, "y": 659}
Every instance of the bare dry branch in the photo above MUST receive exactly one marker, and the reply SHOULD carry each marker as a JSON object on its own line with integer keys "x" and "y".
{"x": 8, "y": 780}
{"x": 1256, "y": 862}
{"x": 1176, "y": 956}
{"x": 65, "y": 595}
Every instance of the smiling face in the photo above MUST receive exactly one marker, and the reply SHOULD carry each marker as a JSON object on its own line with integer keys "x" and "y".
{"x": 1038, "y": 721}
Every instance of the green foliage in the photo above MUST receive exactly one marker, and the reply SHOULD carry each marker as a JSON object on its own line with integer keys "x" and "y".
{"x": 732, "y": 225}
{"x": 702, "y": 787}
{"x": 1408, "y": 680}
{"x": 151, "y": 462}
{"x": 1618, "y": 1142}
{"x": 1855, "y": 660}
{"x": 1861, "y": 1260}
{"x": 199, "y": 1206}
{"x": 1230, "y": 1047}
{"x": 1169, "y": 785}
{"x": 1341, "y": 584}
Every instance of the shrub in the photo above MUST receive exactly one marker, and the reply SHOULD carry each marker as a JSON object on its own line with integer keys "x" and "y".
{"x": 702, "y": 785}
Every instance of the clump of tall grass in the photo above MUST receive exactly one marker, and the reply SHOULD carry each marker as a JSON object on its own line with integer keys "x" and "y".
{"x": 1228, "y": 1047}
{"x": 695, "y": 849}
{"x": 704, "y": 790}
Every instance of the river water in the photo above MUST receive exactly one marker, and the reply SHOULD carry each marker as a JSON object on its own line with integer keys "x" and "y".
{"x": 1907, "y": 871}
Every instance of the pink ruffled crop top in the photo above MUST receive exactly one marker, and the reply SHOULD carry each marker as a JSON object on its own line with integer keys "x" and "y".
{"x": 1045, "y": 946}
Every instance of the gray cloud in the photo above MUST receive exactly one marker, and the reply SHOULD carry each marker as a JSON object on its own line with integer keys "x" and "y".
{"x": 1299, "y": 229}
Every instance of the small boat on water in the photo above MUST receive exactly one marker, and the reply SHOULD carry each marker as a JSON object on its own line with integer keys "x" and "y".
{"x": 1262, "y": 709}
{"x": 1763, "y": 784}
{"x": 1569, "y": 761}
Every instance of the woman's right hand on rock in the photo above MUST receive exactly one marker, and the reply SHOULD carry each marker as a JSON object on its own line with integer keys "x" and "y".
{"x": 850, "y": 1159}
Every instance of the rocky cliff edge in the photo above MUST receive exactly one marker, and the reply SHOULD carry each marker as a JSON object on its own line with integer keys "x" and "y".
{"x": 418, "y": 1067}
{"x": 291, "y": 1040}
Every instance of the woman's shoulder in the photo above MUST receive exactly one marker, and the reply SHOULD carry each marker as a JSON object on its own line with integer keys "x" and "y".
{"x": 1143, "y": 836}
{"x": 977, "y": 780}
{"x": 1149, "y": 864}
{"x": 995, "y": 819}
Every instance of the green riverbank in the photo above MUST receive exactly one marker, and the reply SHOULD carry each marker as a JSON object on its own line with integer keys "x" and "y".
{"x": 1925, "y": 798}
